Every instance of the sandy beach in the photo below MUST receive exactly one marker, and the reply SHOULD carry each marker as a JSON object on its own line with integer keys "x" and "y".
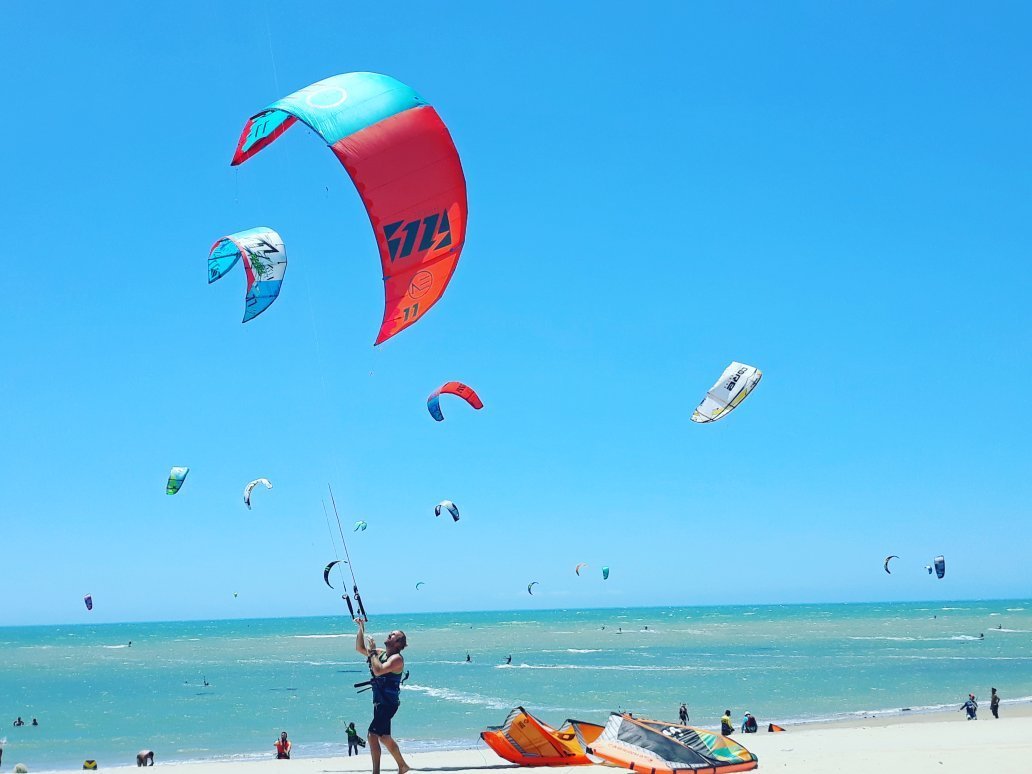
{"x": 923, "y": 743}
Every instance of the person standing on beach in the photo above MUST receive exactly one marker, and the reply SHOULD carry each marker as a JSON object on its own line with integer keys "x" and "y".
{"x": 353, "y": 738}
{"x": 282, "y": 746}
{"x": 682, "y": 713}
{"x": 145, "y": 758}
{"x": 387, "y": 666}
{"x": 726, "y": 728}
{"x": 994, "y": 704}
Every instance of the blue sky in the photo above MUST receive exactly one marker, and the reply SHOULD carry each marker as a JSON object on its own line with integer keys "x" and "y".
{"x": 838, "y": 194}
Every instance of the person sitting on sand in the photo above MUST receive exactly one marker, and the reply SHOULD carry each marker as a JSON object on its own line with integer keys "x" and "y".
{"x": 145, "y": 758}
{"x": 971, "y": 706}
{"x": 725, "y": 724}
{"x": 282, "y": 746}
{"x": 387, "y": 667}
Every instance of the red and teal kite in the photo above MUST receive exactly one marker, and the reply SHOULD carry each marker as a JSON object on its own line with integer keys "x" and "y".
{"x": 403, "y": 162}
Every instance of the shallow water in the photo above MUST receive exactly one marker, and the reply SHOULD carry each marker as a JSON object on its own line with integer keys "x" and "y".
{"x": 96, "y": 697}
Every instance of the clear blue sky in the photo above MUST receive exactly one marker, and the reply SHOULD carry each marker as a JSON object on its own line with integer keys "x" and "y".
{"x": 837, "y": 193}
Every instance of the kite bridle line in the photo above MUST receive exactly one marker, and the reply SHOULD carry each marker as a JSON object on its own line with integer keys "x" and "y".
{"x": 351, "y": 567}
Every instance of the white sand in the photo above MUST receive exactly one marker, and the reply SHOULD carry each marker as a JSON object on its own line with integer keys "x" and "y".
{"x": 939, "y": 743}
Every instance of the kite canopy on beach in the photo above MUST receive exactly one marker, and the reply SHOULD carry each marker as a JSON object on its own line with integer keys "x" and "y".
{"x": 733, "y": 386}
{"x": 403, "y": 162}
{"x": 525, "y": 740}
{"x": 665, "y": 748}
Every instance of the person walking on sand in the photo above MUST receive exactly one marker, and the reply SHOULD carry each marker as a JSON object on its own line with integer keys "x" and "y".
{"x": 971, "y": 706}
{"x": 726, "y": 728}
{"x": 282, "y": 746}
{"x": 387, "y": 666}
{"x": 682, "y": 713}
{"x": 994, "y": 704}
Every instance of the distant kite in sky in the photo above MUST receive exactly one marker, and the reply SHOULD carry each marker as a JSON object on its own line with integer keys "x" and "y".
{"x": 887, "y": 558}
{"x": 252, "y": 485}
{"x": 265, "y": 263}
{"x": 360, "y": 525}
{"x": 605, "y": 573}
{"x": 326, "y": 572}
{"x": 402, "y": 159}
{"x": 421, "y": 583}
{"x": 733, "y": 386}
{"x": 88, "y": 600}
{"x": 530, "y": 587}
{"x": 447, "y": 505}
{"x": 433, "y": 403}
{"x": 176, "y": 477}
{"x": 577, "y": 569}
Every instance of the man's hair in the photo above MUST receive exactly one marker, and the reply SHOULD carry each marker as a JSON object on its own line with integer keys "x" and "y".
{"x": 402, "y": 639}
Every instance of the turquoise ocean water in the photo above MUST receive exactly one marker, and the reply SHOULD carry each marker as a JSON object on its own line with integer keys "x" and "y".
{"x": 96, "y": 697}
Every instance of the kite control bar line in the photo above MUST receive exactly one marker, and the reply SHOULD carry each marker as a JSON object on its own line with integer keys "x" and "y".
{"x": 351, "y": 567}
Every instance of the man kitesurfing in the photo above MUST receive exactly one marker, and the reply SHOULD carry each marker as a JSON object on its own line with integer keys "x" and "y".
{"x": 387, "y": 666}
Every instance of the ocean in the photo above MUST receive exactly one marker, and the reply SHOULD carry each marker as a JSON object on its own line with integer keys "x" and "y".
{"x": 202, "y": 690}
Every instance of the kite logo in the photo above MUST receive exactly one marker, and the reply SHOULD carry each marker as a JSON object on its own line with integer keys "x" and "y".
{"x": 436, "y": 230}
{"x": 326, "y": 97}
{"x": 420, "y": 284}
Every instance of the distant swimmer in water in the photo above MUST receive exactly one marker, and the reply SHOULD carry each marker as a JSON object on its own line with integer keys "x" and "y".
{"x": 205, "y": 679}
{"x": 35, "y": 722}
{"x": 981, "y": 636}
{"x": 145, "y": 758}
{"x": 19, "y": 722}
{"x": 999, "y": 626}
{"x": 468, "y": 659}
{"x": 508, "y": 659}
{"x": 130, "y": 643}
